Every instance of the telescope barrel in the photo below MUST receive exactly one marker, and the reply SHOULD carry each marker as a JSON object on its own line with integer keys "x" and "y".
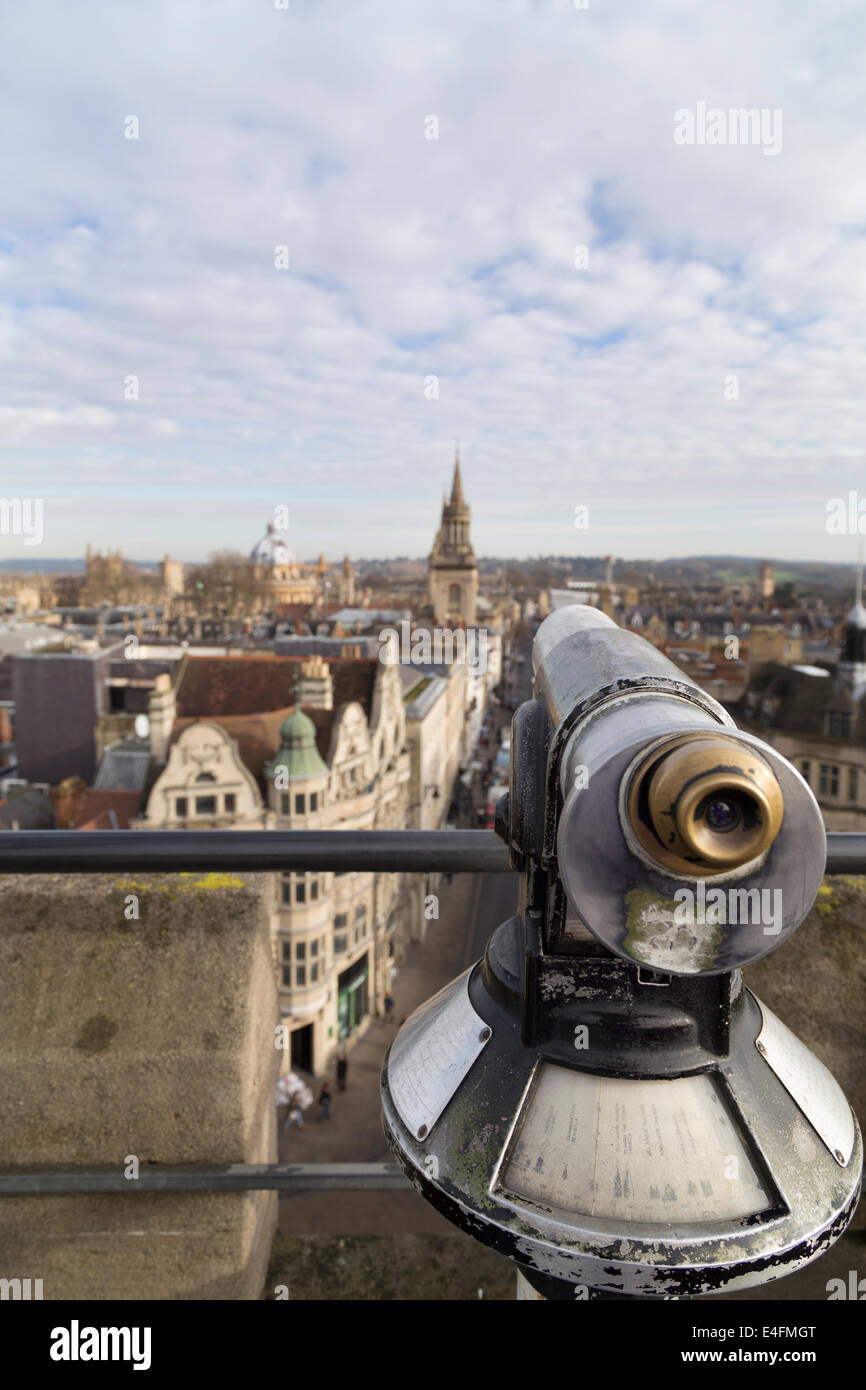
{"x": 580, "y": 658}
{"x": 632, "y": 1120}
{"x": 662, "y": 796}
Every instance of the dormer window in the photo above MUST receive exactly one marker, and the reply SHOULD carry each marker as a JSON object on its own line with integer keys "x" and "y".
{"x": 839, "y": 723}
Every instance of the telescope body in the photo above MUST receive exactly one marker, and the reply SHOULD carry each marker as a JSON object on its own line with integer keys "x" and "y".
{"x": 600, "y": 1097}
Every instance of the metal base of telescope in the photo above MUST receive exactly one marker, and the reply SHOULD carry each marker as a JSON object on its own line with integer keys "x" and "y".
{"x": 637, "y": 1135}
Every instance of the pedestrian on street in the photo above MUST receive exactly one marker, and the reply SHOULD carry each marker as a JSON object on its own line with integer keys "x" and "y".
{"x": 389, "y": 1004}
{"x": 342, "y": 1069}
{"x": 325, "y": 1102}
{"x": 295, "y": 1118}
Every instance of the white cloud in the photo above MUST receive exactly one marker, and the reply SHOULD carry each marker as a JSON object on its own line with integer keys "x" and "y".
{"x": 453, "y": 257}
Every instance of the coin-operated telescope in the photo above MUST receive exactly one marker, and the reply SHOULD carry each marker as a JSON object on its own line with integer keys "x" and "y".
{"x": 600, "y": 1098}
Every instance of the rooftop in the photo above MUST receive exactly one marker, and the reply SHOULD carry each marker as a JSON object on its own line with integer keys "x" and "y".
{"x": 214, "y": 687}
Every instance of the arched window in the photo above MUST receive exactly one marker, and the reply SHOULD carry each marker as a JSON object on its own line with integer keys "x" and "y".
{"x": 454, "y": 597}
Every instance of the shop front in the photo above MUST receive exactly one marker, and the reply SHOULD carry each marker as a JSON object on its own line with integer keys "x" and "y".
{"x": 353, "y": 997}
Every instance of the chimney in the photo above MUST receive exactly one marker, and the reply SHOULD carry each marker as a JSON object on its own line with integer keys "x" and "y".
{"x": 315, "y": 689}
{"x": 161, "y": 711}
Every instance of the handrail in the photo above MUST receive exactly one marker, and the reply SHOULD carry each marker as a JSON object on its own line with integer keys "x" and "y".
{"x": 250, "y": 851}
{"x": 232, "y": 1177}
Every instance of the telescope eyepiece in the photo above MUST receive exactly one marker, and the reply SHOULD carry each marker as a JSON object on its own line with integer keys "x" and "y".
{"x": 705, "y": 804}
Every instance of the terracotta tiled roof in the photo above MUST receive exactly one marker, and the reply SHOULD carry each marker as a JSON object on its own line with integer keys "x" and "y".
{"x": 225, "y": 688}
{"x": 354, "y": 680}
{"x": 297, "y": 612}
{"x": 93, "y": 811}
{"x": 212, "y": 686}
{"x": 219, "y": 687}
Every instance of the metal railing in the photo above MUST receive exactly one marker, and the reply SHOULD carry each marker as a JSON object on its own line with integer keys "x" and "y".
{"x": 174, "y": 851}
{"x": 249, "y": 851}
{"x": 233, "y": 1177}
{"x": 275, "y": 851}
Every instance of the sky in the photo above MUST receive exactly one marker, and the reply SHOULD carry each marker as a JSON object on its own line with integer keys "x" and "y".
{"x": 256, "y": 257}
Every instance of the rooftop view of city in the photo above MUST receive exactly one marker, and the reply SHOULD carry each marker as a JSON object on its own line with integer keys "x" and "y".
{"x": 431, "y": 563}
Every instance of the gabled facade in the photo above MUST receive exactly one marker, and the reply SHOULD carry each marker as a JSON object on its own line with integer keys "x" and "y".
{"x": 332, "y": 764}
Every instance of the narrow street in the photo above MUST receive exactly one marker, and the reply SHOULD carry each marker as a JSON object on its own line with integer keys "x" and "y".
{"x": 354, "y": 1131}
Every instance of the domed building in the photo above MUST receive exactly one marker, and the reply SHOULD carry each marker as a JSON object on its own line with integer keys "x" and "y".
{"x": 296, "y": 760}
{"x": 272, "y": 550}
{"x": 284, "y": 579}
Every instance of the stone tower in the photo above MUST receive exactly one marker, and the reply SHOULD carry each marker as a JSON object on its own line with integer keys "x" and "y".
{"x": 346, "y": 584}
{"x": 453, "y": 574}
{"x": 766, "y": 581}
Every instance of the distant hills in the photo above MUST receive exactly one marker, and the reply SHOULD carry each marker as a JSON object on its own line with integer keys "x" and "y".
{"x": 25, "y": 566}
{"x": 693, "y": 570}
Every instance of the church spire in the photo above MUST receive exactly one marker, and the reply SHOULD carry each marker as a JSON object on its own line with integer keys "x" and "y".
{"x": 457, "y": 498}
{"x": 453, "y": 573}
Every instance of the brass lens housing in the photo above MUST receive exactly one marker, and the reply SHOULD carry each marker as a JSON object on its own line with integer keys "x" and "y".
{"x": 705, "y": 804}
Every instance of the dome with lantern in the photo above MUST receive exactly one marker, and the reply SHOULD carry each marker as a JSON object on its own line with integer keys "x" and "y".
{"x": 272, "y": 550}
{"x": 297, "y": 755}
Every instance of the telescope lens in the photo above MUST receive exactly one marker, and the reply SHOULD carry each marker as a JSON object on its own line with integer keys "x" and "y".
{"x": 705, "y": 804}
{"x": 722, "y": 815}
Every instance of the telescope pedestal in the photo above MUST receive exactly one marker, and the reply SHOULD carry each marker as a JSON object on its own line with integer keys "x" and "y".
{"x": 616, "y": 1136}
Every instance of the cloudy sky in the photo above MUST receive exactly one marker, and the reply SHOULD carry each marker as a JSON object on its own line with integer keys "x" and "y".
{"x": 694, "y": 378}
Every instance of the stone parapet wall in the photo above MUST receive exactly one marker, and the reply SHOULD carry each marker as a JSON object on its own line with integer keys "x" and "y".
{"x": 147, "y": 1038}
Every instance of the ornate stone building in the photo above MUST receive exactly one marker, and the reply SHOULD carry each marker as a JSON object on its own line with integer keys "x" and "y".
{"x": 452, "y": 572}
{"x": 285, "y": 580}
{"x": 242, "y": 756}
